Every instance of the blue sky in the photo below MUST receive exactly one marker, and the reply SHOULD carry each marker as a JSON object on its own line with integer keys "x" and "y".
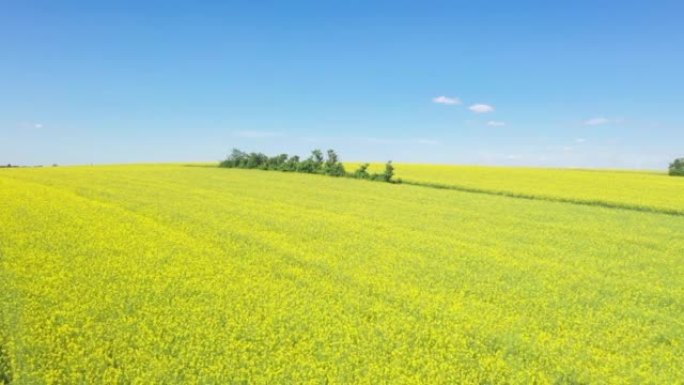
{"x": 561, "y": 84}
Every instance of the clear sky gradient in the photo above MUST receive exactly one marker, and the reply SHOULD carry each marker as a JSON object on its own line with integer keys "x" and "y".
{"x": 562, "y": 84}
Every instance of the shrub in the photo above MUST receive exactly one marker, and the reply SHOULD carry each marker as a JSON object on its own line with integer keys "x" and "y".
{"x": 677, "y": 167}
{"x": 362, "y": 172}
{"x": 332, "y": 158}
{"x": 291, "y": 164}
{"x": 332, "y": 166}
{"x": 389, "y": 172}
{"x": 336, "y": 170}
{"x": 307, "y": 166}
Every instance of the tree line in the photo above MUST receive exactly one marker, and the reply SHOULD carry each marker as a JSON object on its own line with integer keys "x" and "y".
{"x": 10, "y": 165}
{"x": 316, "y": 163}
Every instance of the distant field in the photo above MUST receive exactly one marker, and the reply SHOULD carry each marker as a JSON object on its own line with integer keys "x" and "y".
{"x": 172, "y": 274}
{"x": 647, "y": 190}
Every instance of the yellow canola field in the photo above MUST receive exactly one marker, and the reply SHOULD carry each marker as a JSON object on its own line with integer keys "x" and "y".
{"x": 191, "y": 275}
{"x": 643, "y": 190}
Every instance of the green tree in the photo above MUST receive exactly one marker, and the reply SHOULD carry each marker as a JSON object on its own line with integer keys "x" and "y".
{"x": 677, "y": 167}
{"x": 256, "y": 160}
{"x": 336, "y": 169}
{"x": 389, "y": 172}
{"x": 235, "y": 159}
{"x": 332, "y": 166}
{"x": 292, "y": 164}
{"x": 317, "y": 160}
{"x": 276, "y": 162}
{"x": 307, "y": 166}
{"x": 332, "y": 158}
{"x": 362, "y": 172}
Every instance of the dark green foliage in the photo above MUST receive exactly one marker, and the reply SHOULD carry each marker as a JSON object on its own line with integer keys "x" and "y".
{"x": 362, "y": 172}
{"x": 386, "y": 176}
{"x": 315, "y": 164}
{"x": 332, "y": 166}
{"x": 291, "y": 164}
{"x": 277, "y": 162}
{"x": 336, "y": 169}
{"x": 677, "y": 167}
{"x": 258, "y": 160}
{"x": 236, "y": 158}
{"x": 317, "y": 158}
{"x": 332, "y": 159}
{"x": 389, "y": 172}
{"x": 307, "y": 166}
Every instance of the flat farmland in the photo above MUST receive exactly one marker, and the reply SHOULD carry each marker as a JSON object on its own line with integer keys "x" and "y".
{"x": 640, "y": 190}
{"x": 174, "y": 274}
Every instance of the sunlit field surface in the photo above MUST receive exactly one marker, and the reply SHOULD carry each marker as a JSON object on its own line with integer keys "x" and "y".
{"x": 172, "y": 274}
{"x": 644, "y": 190}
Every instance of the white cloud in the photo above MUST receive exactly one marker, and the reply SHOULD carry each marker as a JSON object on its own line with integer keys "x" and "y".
{"x": 446, "y": 100}
{"x": 481, "y": 108}
{"x": 494, "y": 123}
{"x": 580, "y": 140}
{"x": 256, "y": 134}
{"x": 596, "y": 121}
{"x": 30, "y": 125}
